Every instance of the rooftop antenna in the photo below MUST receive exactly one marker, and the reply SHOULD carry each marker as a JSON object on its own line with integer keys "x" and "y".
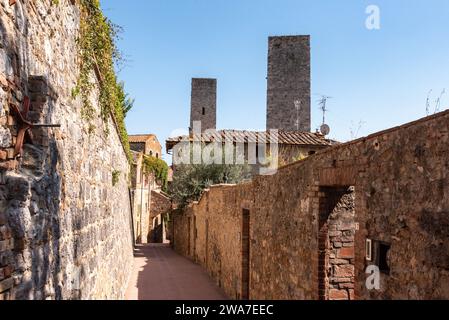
{"x": 438, "y": 101}
{"x": 428, "y": 102}
{"x": 324, "y": 129}
{"x": 298, "y": 110}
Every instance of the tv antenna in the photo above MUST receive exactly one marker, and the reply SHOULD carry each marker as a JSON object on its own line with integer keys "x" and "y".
{"x": 298, "y": 111}
{"x": 438, "y": 101}
{"x": 322, "y": 102}
{"x": 428, "y": 102}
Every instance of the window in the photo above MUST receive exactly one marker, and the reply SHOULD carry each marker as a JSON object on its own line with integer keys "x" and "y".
{"x": 157, "y": 155}
{"x": 204, "y": 111}
{"x": 383, "y": 261}
{"x": 381, "y": 256}
{"x": 368, "y": 250}
{"x": 151, "y": 153}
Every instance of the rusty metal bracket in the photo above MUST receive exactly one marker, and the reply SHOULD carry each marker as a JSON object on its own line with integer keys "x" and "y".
{"x": 24, "y": 125}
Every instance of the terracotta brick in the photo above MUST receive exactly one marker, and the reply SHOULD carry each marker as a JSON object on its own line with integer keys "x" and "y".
{"x": 346, "y": 286}
{"x": 344, "y": 271}
{"x": 3, "y": 155}
{"x": 351, "y": 294}
{"x": 335, "y": 294}
{"x": 346, "y": 253}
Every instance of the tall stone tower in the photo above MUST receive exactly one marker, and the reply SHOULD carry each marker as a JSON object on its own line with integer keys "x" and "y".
{"x": 288, "y": 96}
{"x": 204, "y": 103}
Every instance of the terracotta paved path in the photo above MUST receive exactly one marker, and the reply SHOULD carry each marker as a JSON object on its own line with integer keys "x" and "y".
{"x": 161, "y": 274}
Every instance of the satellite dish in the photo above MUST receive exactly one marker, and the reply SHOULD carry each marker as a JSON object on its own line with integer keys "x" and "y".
{"x": 325, "y": 129}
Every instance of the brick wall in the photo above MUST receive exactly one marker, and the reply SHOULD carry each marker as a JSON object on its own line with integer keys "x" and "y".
{"x": 391, "y": 187}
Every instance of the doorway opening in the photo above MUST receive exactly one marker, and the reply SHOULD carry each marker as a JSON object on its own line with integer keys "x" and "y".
{"x": 336, "y": 259}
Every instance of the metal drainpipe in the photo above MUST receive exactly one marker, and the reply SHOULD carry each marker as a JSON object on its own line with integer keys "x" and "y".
{"x": 149, "y": 207}
{"x": 142, "y": 185}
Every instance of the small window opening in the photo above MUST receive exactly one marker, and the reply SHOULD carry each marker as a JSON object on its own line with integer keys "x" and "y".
{"x": 382, "y": 259}
{"x": 204, "y": 111}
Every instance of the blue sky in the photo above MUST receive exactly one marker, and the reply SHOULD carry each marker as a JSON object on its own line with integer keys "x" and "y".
{"x": 380, "y": 77}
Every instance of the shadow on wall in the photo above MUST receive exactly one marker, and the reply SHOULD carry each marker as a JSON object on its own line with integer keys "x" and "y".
{"x": 30, "y": 195}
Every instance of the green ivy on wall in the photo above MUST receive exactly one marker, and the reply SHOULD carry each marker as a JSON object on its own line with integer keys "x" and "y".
{"x": 98, "y": 55}
{"x": 158, "y": 167}
{"x": 115, "y": 177}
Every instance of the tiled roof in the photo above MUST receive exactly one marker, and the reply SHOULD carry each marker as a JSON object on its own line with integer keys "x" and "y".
{"x": 284, "y": 137}
{"x": 140, "y": 137}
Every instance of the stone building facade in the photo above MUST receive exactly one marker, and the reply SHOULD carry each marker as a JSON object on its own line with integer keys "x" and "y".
{"x": 288, "y": 95}
{"x": 314, "y": 229}
{"x": 147, "y": 144}
{"x": 149, "y": 203}
{"x": 65, "y": 227}
{"x": 204, "y": 103}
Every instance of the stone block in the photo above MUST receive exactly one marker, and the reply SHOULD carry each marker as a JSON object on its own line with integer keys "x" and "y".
{"x": 336, "y": 294}
{"x": 334, "y": 233}
{"x": 2, "y": 218}
{"x": 351, "y": 294}
{"x": 6, "y": 245}
{"x": 5, "y": 233}
{"x": 338, "y": 261}
{"x": 344, "y": 271}
{"x": 6, "y": 284}
{"x": 346, "y": 285}
{"x": 337, "y": 244}
{"x": 340, "y": 280}
{"x": 345, "y": 253}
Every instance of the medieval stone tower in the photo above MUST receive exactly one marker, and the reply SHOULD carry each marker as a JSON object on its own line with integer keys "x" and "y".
{"x": 204, "y": 103}
{"x": 288, "y": 95}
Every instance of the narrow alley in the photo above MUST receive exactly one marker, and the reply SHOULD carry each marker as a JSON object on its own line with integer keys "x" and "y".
{"x": 161, "y": 274}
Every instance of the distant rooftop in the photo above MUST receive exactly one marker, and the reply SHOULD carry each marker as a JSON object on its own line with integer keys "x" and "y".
{"x": 140, "y": 137}
{"x": 284, "y": 137}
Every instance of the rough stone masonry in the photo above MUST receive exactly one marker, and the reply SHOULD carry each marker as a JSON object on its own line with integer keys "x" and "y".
{"x": 312, "y": 230}
{"x": 204, "y": 103}
{"x": 288, "y": 94}
{"x": 65, "y": 229}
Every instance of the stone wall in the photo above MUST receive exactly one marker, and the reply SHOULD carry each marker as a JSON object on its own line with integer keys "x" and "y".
{"x": 288, "y": 81}
{"x": 160, "y": 203}
{"x": 65, "y": 228}
{"x": 309, "y": 223}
